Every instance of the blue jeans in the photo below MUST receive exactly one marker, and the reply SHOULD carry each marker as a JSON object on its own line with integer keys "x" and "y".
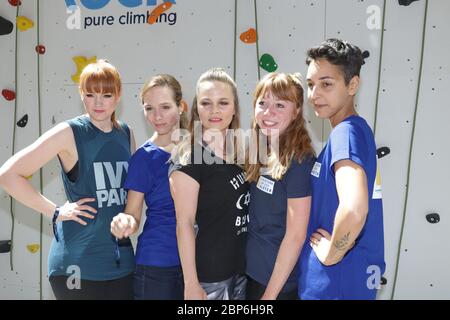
{"x": 158, "y": 283}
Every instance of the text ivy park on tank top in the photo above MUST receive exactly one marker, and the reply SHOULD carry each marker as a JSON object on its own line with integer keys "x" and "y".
{"x": 113, "y": 194}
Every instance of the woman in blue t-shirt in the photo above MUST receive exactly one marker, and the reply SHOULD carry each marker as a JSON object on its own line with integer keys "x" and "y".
{"x": 280, "y": 188}
{"x": 158, "y": 272}
{"x": 345, "y": 259}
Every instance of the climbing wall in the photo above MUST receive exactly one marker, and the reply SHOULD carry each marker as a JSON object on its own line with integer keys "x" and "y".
{"x": 424, "y": 261}
{"x": 402, "y": 97}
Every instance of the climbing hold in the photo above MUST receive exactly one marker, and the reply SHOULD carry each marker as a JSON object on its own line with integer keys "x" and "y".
{"x": 433, "y": 218}
{"x": 33, "y": 248}
{"x": 81, "y": 62}
{"x": 248, "y": 36}
{"x": 8, "y": 94}
{"x": 383, "y": 281}
{"x": 53, "y": 120}
{"x": 382, "y": 152}
{"x": 365, "y": 55}
{"x": 30, "y": 177}
{"x": 267, "y": 62}
{"x": 6, "y": 26}
{"x": 406, "y": 2}
{"x": 5, "y": 246}
{"x": 15, "y": 3}
{"x": 153, "y": 17}
{"x": 40, "y": 49}
{"x": 23, "y": 23}
{"x": 23, "y": 122}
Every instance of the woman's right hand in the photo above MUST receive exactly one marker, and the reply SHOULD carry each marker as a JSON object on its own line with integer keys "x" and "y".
{"x": 123, "y": 225}
{"x": 194, "y": 292}
{"x": 72, "y": 211}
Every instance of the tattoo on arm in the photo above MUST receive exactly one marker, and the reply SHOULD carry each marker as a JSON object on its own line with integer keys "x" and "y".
{"x": 342, "y": 243}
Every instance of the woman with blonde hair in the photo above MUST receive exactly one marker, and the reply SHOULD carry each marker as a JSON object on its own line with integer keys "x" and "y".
{"x": 210, "y": 194}
{"x": 158, "y": 274}
{"x": 93, "y": 150}
{"x": 279, "y": 187}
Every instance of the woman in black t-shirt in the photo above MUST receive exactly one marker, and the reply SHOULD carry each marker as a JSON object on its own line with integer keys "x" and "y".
{"x": 211, "y": 195}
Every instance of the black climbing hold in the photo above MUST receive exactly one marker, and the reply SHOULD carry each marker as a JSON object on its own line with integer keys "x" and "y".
{"x": 6, "y": 26}
{"x": 5, "y": 246}
{"x": 382, "y": 152}
{"x": 365, "y": 55}
{"x": 23, "y": 122}
{"x": 433, "y": 218}
{"x": 406, "y": 2}
{"x": 383, "y": 281}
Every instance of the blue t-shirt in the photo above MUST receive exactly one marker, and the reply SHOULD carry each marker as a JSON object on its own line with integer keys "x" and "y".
{"x": 102, "y": 169}
{"x": 267, "y": 223}
{"x": 148, "y": 174}
{"x": 356, "y": 275}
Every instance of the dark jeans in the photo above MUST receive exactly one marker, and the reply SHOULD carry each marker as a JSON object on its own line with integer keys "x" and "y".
{"x": 118, "y": 289}
{"x": 158, "y": 283}
{"x": 255, "y": 291}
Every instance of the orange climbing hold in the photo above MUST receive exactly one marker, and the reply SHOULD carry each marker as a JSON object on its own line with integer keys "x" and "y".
{"x": 158, "y": 11}
{"x": 248, "y": 36}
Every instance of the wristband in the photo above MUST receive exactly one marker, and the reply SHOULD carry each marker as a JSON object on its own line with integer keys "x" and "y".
{"x": 55, "y": 217}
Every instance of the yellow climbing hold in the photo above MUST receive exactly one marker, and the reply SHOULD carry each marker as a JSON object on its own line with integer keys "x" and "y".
{"x": 33, "y": 248}
{"x": 30, "y": 177}
{"x": 23, "y": 23}
{"x": 81, "y": 62}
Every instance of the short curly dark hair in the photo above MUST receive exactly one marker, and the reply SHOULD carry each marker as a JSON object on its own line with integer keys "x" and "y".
{"x": 340, "y": 53}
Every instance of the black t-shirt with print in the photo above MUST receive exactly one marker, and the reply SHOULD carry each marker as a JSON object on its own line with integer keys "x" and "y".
{"x": 222, "y": 216}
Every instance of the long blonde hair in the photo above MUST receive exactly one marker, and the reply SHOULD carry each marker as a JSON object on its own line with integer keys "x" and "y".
{"x": 101, "y": 77}
{"x": 166, "y": 80}
{"x": 181, "y": 154}
{"x": 294, "y": 142}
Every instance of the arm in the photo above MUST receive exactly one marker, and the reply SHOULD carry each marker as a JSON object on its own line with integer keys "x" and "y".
{"x": 351, "y": 186}
{"x": 57, "y": 141}
{"x": 296, "y": 225}
{"x": 127, "y": 223}
{"x": 184, "y": 191}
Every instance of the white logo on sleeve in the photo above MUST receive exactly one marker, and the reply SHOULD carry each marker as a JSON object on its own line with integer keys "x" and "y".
{"x": 377, "y": 190}
{"x": 265, "y": 185}
{"x": 316, "y": 169}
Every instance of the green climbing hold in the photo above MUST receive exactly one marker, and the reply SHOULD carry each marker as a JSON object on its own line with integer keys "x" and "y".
{"x": 267, "y": 62}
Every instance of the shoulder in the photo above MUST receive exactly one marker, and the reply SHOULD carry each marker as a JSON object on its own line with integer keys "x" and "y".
{"x": 304, "y": 165}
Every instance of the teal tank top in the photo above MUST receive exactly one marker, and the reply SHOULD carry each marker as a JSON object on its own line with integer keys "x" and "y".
{"x": 103, "y": 166}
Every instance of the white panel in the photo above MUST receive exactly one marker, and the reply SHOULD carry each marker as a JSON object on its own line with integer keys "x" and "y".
{"x": 286, "y": 30}
{"x": 397, "y": 100}
{"x": 354, "y": 28}
{"x": 424, "y": 260}
{"x": 27, "y": 222}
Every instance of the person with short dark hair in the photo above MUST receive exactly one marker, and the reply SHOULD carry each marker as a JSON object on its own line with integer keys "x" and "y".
{"x": 345, "y": 259}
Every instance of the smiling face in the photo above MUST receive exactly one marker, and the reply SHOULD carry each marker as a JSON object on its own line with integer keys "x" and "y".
{"x": 328, "y": 93}
{"x": 215, "y": 105}
{"x": 161, "y": 110}
{"x": 274, "y": 115}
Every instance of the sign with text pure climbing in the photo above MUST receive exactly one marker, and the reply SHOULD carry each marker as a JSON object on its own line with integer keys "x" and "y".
{"x": 87, "y": 14}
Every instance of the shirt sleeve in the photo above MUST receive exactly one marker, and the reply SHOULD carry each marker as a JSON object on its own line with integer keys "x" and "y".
{"x": 192, "y": 170}
{"x": 348, "y": 143}
{"x": 298, "y": 178}
{"x": 139, "y": 176}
